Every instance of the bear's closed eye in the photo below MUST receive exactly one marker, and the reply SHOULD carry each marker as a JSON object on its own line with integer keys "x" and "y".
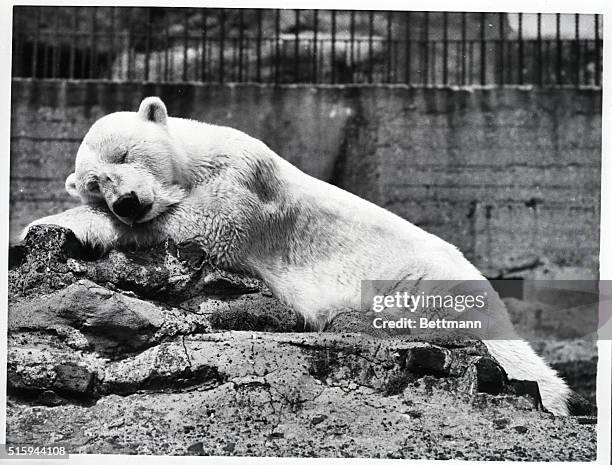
{"x": 122, "y": 157}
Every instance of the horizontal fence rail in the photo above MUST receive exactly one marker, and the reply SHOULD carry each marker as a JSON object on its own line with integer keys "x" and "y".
{"x": 306, "y": 46}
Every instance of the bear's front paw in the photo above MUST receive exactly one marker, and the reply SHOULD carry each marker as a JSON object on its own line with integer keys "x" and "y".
{"x": 91, "y": 230}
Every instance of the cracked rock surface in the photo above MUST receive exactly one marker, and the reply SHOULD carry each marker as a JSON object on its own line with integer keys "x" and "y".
{"x": 160, "y": 353}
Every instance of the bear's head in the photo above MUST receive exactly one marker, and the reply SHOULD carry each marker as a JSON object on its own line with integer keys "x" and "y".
{"x": 130, "y": 162}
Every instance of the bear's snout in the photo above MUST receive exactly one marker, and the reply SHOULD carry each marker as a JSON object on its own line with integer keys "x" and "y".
{"x": 128, "y": 206}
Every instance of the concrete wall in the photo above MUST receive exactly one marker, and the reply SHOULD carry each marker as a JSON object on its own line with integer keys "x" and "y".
{"x": 510, "y": 176}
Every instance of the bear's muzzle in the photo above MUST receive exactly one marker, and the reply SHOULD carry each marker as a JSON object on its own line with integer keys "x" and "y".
{"x": 129, "y": 206}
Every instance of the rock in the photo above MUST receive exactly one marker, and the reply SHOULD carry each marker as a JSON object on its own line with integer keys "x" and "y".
{"x": 489, "y": 376}
{"x": 39, "y": 265}
{"x": 520, "y": 429}
{"x": 318, "y": 419}
{"x": 501, "y": 423}
{"x": 35, "y": 370}
{"x": 106, "y": 319}
{"x": 197, "y": 448}
{"x": 157, "y": 352}
{"x": 245, "y": 359}
{"x": 50, "y": 399}
{"x": 586, "y": 420}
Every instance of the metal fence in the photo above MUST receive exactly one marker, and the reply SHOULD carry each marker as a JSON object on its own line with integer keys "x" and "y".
{"x": 306, "y": 46}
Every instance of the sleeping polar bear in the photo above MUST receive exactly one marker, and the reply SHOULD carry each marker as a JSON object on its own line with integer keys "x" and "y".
{"x": 144, "y": 177}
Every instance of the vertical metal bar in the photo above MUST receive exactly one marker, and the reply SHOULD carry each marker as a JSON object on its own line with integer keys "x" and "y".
{"x": 17, "y": 62}
{"x": 296, "y": 48}
{"x": 426, "y": 48}
{"x": 470, "y": 78}
{"x": 167, "y": 47}
{"x": 247, "y": 63}
{"x": 559, "y": 58}
{"x": 321, "y": 62}
{"x": 233, "y": 68}
{"x": 46, "y": 47}
{"x": 521, "y": 49}
{"x": 315, "y": 45}
{"x": 577, "y": 46}
{"x": 597, "y": 52}
{"x": 445, "y": 48}
{"x": 547, "y": 55}
{"x": 105, "y": 68}
{"x": 147, "y": 43}
{"x": 408, "y": 56}
{"x": 204, "y": 40}
{"x": 277, "y": 47}
{"x": 333, "y": 46}
{"x": 75, "y": 39}
{"x": 113, "y": 44}
{"x": 483, "y": 50}
{"x": 502, "y": 38}
{"x": 185, "y": 42}
{"x": 457, "y": 66}
{"x": 539, "y": 49}
{"x": 258, "y": 43}
{"x": 19, "y": 67}
{"x": 434, "y": 76}
{"x": 35, "y": 45}
{"x": 240, "y": 44}
{"x": 352, "y": 35}
{"x": 130, "y": 45}
{"x": 56, "y": 48}
{"x": 463, "y": 46}
{"x": 371, "y": 46}
{"x": 389, "y": 42}
{"x": 44, "y": 52}
{"x": 396, "y": 59}
{"x": 195, "y": 61}
{"x": 92, "y": 61}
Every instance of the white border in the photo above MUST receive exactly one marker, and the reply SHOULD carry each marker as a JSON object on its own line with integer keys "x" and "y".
{"x": 604, "y": 380}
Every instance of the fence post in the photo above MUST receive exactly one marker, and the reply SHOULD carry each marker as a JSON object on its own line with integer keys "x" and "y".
{"x": 370, "y": 45}
{"x": 147, "y": 43}
{"x": 222, "y": 46}
{"x": 521, "y": 50}
{"x": 204, "y": 33}
{"x": 463, "y": 47}
{"x": 259, "y": 39}
{"x": 558, "y": 18}
{"x": 277, "y": 48}
{"x": 483, "y": 50}
{"x": 296, "y": 48}
{"x": 315, "y": 46}
{"x": 502, "y": 38}
{"x": 597, "y": 52}
{"x": 333, "y": 46}
{"x": 577, "y": 47}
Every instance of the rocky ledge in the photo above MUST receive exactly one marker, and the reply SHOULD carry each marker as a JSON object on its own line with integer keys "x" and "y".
{"x": 161, "y": 353}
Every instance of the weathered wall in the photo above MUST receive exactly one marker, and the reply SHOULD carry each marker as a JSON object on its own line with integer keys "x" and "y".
{"x": 510, "y": 176}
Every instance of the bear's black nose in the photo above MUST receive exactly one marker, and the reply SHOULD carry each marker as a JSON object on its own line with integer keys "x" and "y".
{"x": 127, "y": 205}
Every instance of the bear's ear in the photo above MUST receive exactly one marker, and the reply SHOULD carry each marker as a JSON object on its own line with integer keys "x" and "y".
{"x": 153, "y": 109}
{"x": 71, "y": 186}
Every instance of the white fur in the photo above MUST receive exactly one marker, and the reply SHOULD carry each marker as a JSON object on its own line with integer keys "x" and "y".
{"x": 311, "y": 242}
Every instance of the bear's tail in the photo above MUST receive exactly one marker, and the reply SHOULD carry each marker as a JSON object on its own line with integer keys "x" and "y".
{"x": 521, "y": 362}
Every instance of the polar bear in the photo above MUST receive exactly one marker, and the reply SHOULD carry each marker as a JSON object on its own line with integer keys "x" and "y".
{"x": 143, "y": 177}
